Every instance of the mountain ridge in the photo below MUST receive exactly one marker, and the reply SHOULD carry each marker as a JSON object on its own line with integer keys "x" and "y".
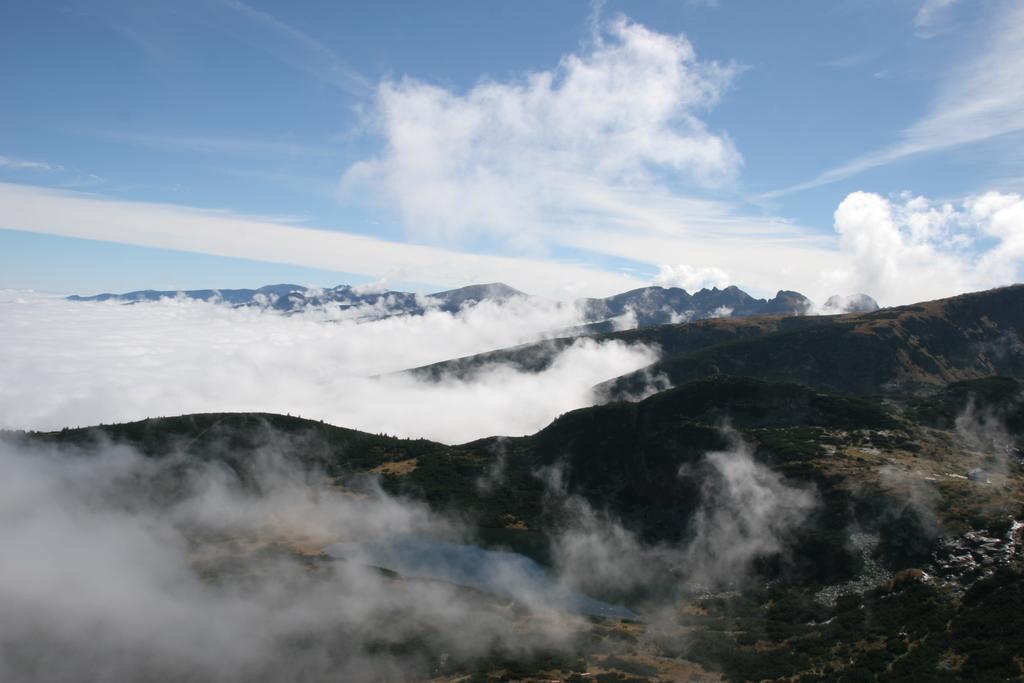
{"x": 641, "y": 307}
{"x": 918, "y": 345}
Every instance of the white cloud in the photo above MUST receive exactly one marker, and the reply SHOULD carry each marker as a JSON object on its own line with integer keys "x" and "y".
{"x": 587, "y": 141}
{"x": 844, "y": 303}
{"x": 721, "y": 312}
{"x": 898, "y": 251}
{"x": 690, "y": 278}
{"x": 911, "y": 249}
{"x": 68, "y": 363}
{"x": 594, "y": 155}
{"x": 14, "y": 164}
{"x": 221, "y": 233}
{"x": 981, "y": 98}
{"x": 747, "y": 511}
{"x": 765, "y": 254}
{"x": 589, "y": 156}
{"x": 375, "y": 287}
{"x": 917, "y": 234}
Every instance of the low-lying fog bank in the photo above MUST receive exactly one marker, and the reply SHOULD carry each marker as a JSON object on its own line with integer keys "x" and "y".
{"x": 119, "y": 566}
{"x": 78, "y": 363}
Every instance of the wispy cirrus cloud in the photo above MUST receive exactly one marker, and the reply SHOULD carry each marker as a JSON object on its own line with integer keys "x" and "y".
{"x": 16, "y": 164}
{"x": 157, "y": 29}
{"x": 980, "y": 99}
{"x": 784, "y": 255}
{"x": 229, "y": 146}
{"x": 293, "y": 46}
{"x": 221, "y": 233}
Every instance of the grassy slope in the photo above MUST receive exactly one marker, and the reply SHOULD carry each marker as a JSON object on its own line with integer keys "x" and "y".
{"x": 625, "y": 457}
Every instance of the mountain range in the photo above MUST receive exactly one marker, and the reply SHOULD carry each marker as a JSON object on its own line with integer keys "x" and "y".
{"x": 371, "y": 302}
{"x": 643, "y": 307}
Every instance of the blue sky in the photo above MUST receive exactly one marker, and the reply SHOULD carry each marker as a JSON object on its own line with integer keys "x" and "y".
{"x": 568, "y": 148}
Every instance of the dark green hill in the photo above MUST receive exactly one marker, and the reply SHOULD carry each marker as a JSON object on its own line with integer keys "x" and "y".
{"x": 671, "y": 339}
{"x": 626, "y": 458}
{"x": 889, "y": 351}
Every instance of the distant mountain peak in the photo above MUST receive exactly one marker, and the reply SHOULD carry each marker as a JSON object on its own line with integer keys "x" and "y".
{"x": 490, "y": 290}
{"x": 655, "y": 305}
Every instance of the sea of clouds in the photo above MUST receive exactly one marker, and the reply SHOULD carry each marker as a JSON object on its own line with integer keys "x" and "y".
{"x": 80, "y": 363}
